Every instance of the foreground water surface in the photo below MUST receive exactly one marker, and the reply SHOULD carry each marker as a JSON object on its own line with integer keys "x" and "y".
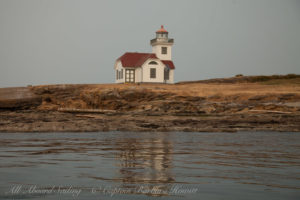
{"x": 123, "y": 165}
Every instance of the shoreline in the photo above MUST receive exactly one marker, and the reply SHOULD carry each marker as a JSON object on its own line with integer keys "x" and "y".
{"x": 218, "y": 105}
{"x": 70, "y": 122}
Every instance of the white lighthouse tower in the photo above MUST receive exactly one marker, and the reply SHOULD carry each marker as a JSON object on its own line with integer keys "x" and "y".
{"x": 162, "y": 45}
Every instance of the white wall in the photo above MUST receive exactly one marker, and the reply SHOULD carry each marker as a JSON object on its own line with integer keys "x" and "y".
{"x": 118, "y": 66}
{"x": 157, "y": 50}
{"x": 159, "y": 71}
{"x": 138, "y": 75}
{"x": 171, "y": 76}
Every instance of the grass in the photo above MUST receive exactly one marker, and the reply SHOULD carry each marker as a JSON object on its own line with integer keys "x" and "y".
{"x": 240, "y": 90}
{"x": 294, "y": 81}
{"x": 271, "y": 85}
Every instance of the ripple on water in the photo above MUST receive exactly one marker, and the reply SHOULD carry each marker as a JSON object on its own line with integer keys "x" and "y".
{"x": 265, "y": 164}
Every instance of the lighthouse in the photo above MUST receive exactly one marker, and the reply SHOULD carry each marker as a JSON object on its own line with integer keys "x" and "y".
{"x": 162, "y": 44}
{"x": 155, "y": 67}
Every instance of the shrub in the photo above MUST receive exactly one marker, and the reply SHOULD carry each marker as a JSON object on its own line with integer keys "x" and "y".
{"x": 239, "y": 75}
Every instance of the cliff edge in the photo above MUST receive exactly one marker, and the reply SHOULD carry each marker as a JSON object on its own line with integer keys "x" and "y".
{"x": 234, "y": 104}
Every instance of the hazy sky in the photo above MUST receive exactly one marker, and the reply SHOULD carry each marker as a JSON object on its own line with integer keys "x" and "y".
{"x": 72, "y": 41}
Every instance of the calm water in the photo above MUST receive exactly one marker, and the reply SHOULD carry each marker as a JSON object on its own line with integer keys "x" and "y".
{"x": 263, "y": 165}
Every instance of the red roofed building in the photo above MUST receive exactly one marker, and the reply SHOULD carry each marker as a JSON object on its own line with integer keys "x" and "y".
{"x": 155, "y": 67}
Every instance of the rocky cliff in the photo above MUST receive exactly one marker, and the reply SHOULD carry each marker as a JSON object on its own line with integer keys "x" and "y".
{"x": 273, "y": 104}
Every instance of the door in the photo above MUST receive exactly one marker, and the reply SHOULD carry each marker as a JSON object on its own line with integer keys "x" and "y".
{"x": 129, "y": 76}
{"x": 166, "y": 74}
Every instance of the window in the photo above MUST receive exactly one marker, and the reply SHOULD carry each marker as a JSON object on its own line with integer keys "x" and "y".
{"x": 164, "y": 50}
{"x": 117, "y": 74}
{"x": 129, "y": 76}
{"x": 152, "y": 73}
{"x": 152, "y": 63}
{"x": 121, "y": 73}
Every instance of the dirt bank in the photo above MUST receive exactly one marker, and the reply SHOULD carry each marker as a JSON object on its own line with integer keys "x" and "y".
{"x": 273, "y": 104}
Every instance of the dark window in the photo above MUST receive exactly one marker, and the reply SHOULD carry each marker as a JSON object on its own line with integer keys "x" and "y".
{"x": 117, "y": 73}
{"x": 121, "y": 73}
{"x": 152, "y": 63}
{"x": 164, "y": 50}
{"x": 152, "y": 73}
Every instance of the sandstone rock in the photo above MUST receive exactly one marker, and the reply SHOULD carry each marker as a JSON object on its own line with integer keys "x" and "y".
{"x": 21, "y": 98}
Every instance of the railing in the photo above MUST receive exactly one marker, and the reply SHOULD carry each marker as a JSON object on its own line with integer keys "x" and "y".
{"x": 156, "y": 40}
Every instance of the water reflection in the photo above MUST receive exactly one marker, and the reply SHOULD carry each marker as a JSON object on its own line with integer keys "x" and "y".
{"x": 145, "y": 161}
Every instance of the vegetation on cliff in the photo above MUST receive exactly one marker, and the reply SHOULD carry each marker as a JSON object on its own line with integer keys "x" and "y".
{"x": 272, "y": 104}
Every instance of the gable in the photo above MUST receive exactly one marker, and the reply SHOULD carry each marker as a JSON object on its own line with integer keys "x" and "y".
{"x": 152, "y": 62}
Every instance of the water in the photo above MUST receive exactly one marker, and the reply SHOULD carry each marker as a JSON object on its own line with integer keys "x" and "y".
{"x": 120, "y": 165}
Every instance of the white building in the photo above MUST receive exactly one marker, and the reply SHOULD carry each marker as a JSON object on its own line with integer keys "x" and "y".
{"x": 155, "y": 67}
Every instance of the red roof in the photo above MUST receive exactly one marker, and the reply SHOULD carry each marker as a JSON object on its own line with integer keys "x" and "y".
{"x": 130, "y": 59}
{"x": 161, "y": 30}
{"x": 169, "y": 63}
{"x": 135, "y": 59}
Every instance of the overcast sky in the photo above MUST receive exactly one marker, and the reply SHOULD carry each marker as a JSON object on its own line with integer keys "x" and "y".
{"x": 78, "y": 41}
